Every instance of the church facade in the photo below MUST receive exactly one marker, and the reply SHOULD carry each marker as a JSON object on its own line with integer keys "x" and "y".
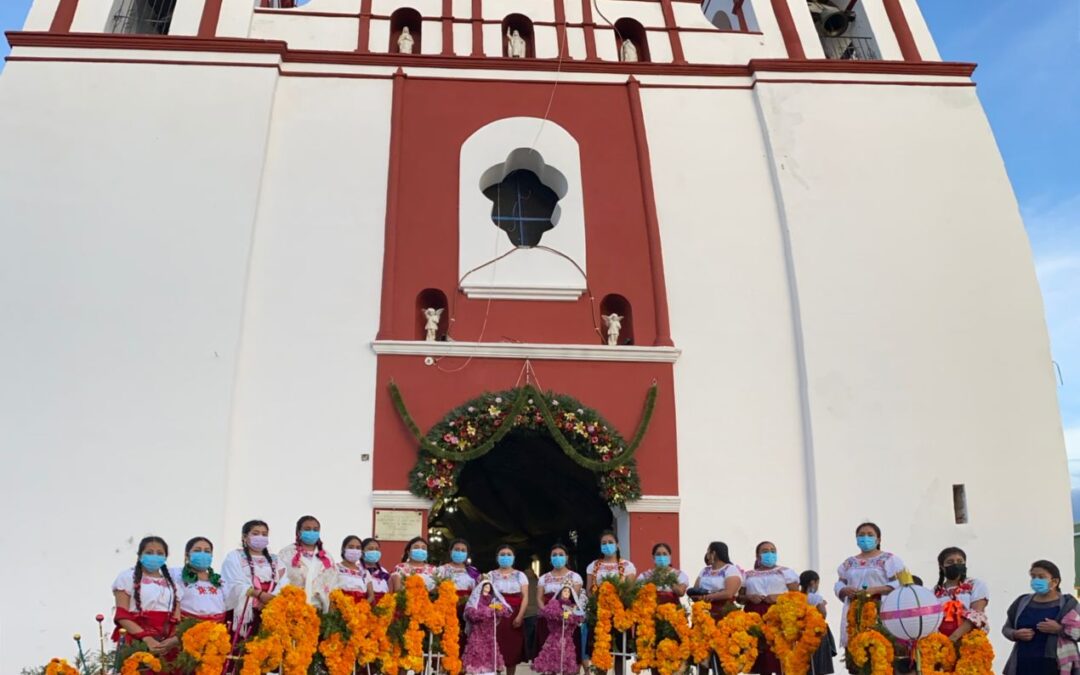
{"x": 775, "y": 237}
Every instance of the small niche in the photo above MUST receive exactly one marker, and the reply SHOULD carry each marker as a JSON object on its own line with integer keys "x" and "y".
{"x": 618, "y": 305}
{"x": 402, "y": 18}
{"x": 431, "y": 298}
{"x": 629, "y": 29}
{"x": 524, "y": 26}
{"x": 959, "y": 502}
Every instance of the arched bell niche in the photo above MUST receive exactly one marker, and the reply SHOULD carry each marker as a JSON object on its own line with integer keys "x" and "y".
{"x": 617, "y": 304}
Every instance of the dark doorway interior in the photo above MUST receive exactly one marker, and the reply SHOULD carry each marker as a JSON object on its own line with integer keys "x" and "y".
{"x": 526, "y": 492}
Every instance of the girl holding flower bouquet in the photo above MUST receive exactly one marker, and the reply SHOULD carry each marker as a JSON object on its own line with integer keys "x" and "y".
{"x": 414, "y": 561}
{"x": 872, "y": 572}
{"x": 147, "y": 599}
{"x": 671, "y": 583}
{"x": 764, "y": 584}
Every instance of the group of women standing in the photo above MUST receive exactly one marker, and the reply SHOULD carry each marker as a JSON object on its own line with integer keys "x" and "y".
{"x": 152, "y": 599}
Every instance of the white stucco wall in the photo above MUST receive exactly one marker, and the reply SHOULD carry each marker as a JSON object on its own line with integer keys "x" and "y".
{"x": 124, "y": 244}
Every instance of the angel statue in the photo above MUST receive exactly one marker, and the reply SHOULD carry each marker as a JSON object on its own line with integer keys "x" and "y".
{"x": 614, "y": 325}
{"x": 432, "y": 315}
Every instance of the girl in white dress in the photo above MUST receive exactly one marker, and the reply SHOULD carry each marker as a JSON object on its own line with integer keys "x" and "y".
{"x": 378, "y": 575}
{"x": 762, "y": 586}
{"x": 414, "y": 561}
{"x": 666, "y": 594}
{"x": 965, "y": 598}
{"x": 147, "y": 599}
{"x": 352, "y": 578}
{"x": 459, "y": 570}
{"x": 202, "y": 595}
{"x": 872, "y": 571}
{"x": 513, "y": 585}
{"x": 610, "y": 564}
{"x": 251, "y": 575}
{"x": 720, "y": 580}
{"x": 307, "y": 565}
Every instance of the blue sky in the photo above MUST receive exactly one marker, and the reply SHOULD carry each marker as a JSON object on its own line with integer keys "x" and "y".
{"x": 1029, "y": 81}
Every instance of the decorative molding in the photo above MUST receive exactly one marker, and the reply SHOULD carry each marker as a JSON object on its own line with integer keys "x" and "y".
{"x": 515, "y": 350}
{"x": 399, "y": 499}
{"x": 655, "y": 504}
{"x": 246, "y": 45}
{"x": 484, "y": 292}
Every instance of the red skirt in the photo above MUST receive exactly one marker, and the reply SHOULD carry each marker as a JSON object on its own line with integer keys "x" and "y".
{"x": 767, "y": 663}
{"x": 357, "y": 596}
{"x": 666, "y": 598}
{"x": 157, "y": 625}
{"x": 511, "y": 640}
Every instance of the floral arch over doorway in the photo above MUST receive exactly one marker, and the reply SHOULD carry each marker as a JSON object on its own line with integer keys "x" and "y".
{"x": 474, "y": 428}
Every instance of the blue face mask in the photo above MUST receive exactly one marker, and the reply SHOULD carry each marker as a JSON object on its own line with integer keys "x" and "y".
{"x": 372, "y": 557}
{"x": 662, "y": 560}
{"x": 558, "y": 561}
{"x": 418, "y": 554}
{"x": 309, "y": 537}
{"x": 1040, "y": 586}
{"x": 866, "y": 542}
{"x": 458, "y": 557}
{"x": 506, "y": 560}
{"x": 768, "y": 559}
{"x": 609, "y": 548}
{"x": 201, "y": 560}
{"x": 152, "y": 562}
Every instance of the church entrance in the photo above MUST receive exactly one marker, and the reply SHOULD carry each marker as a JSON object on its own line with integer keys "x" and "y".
{"x": 527, "y": 493}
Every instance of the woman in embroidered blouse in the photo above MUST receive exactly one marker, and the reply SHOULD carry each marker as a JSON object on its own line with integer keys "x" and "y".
{"x": 251, "y": 575}
{"x": 966, "y": 599}
{"x": 721, "y": 579}
{"x": 1037, "y": 621}
{"x": 307, "y": 565}
{"x": 459, "y": 570}
{"x": 551, "y": 583}
{"x": 352, "y": 578}
{"x": 665, "y": 593}
{"x": 378, "y": 575}
{"x": 201, "y": 596}
{"x": 513, "y": 585}
{"x": 872, "y": 571}
{"x": 763, "y": 585}
{"x": 610, "y": 564}
{"x": 414, "y": 561}
{"x": 147, "y": 599}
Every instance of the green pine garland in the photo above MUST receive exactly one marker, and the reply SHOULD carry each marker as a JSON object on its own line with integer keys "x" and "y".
{"x": 457, "y": 438}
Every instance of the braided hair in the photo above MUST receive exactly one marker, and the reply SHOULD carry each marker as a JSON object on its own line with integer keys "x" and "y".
{"x": 945, "y": 553}
{"x": 138, "y": 574}
{"x": 379, "y": 571}
{"x": 245, "y": 531}
{"x": 300, "y": 524}
{"x": 189, "y": 575}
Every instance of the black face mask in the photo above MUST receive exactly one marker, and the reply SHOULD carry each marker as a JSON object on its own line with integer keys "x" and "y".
{"x": 954, "y": 572}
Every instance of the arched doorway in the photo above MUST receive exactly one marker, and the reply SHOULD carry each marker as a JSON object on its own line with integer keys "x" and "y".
{"x": 526, "y": 492}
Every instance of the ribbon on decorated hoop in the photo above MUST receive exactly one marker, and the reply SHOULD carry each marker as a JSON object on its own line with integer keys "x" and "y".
{"x": 911, "y": 612}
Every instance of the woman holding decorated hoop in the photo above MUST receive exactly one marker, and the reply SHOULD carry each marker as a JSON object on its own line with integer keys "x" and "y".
{"x": 307, "y": 565}
{"x": 147, "y": 599}
{"x": 965, "y": 599}
{"x": 763, "y": 586}
{"x": 414, "y": 561}
{"x": 548, "y": 586}
{"x": 352, "y": 578}
{"x": 251, "y": 575}
{"x": 513, "y": 586}
{"x": 202, "y": 595}
{"x": 720, "y": 580}
{"x": 872, "y": 571}
{"x": 378, "y": 575}
{"x": 671, "y": 583}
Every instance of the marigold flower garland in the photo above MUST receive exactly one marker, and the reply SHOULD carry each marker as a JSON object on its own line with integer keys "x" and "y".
{"x": 339, "y": 648}
{"x": 389, "y": 652}
{"x": 60, "y": 667}
{"x": 936, "y": 650}
{"x": 289, "y": 636}
{"x": 134, "y": 663}
{"x": 976, "y": 654}
{"x": 672, "y": 654}
{"x": 609, "y": 610}
{"x": 734, "y": 643}
{"x": 702, "y": 631}
{"x": 862, "y": 615}
{"x": 644, "y": 612}
{"x": 445, "y": 610}
{"x": 208, "y": 643}
{"x": 794, "y": 631}
{"x": 873, "y": 647}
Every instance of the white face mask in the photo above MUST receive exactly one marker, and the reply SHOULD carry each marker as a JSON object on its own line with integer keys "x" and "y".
{"x": 353, "y": 554}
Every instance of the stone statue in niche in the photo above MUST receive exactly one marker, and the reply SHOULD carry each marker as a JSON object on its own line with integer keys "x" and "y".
{"x": 515, "y": 44}
{"x": 614, "y": 325}
{"x": 431, "y": 327}
{"x": 628, "y": 52}
{"x": 405, "y": 42}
